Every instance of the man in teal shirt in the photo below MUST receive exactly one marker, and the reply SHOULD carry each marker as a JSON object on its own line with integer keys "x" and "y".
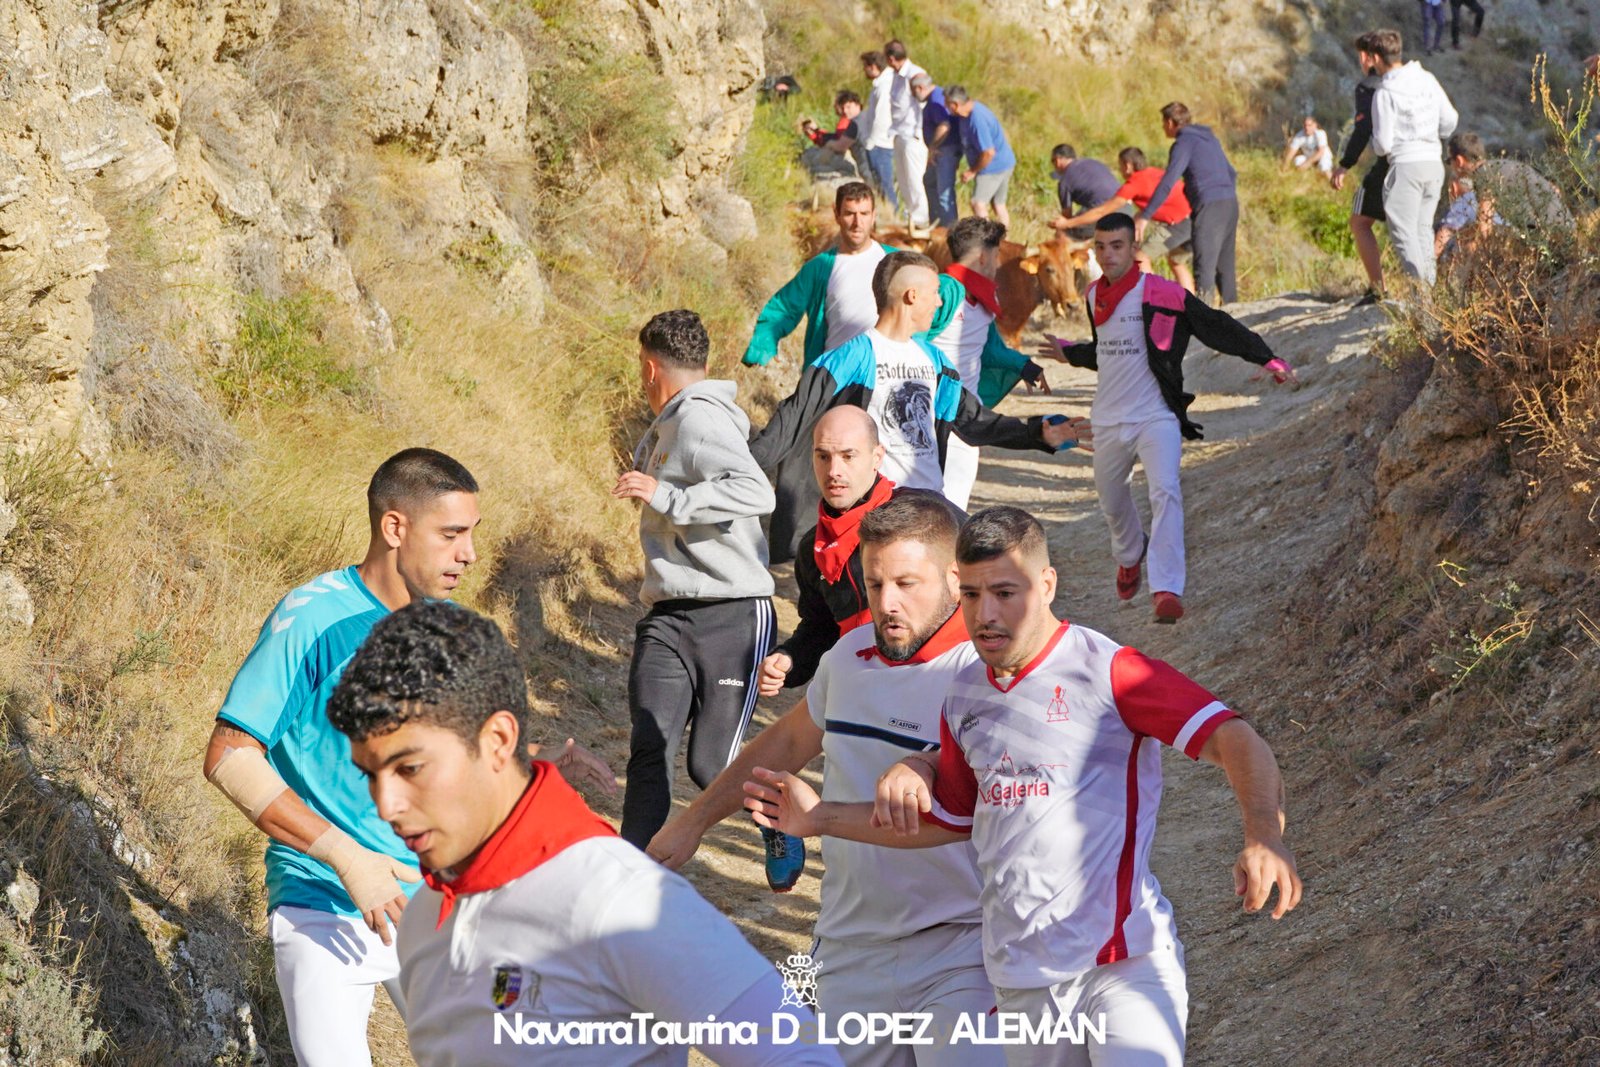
{"x": 337, "y": 875}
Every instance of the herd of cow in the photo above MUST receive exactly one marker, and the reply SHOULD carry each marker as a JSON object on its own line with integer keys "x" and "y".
{"x": 1053, "y": 272}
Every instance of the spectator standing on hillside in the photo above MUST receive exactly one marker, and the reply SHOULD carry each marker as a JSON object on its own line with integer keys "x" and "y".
{"x": 1411, "y": 117}
{"x": 1367, "y": 206}
{"x": 944, "y": 150}
{"x": 1211, "y": 184}
{"x": 905, "y": 124}
{"x": 1455, "y": 20}
{"x": 697, "y": 652}
{"x": 990, "y": 160}
{"x": 833, "y": 293}
{"x": 1081, "y": 185}
{"x": 1141, "y": 325}
{"x": 1432, "y": 26}
{"x": 1309, "y": 148}
{"x": 1168, "y": 233}
{"x": 876, "y": 126}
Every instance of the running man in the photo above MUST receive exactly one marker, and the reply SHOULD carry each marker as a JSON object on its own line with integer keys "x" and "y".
{"x": 535, "y": 913}
{"x": 833, "y": 293}
{"x": 897, "y": 932}
{"x": 1043, "y": 765}
{"x": 910, "y": 389}
{"x": 964, "y": 330}
{"x": 1367, "y": 207}
{"x": 1141, "y": 325}
{"x": 698, "y": 650}
{"x": 337, "y": 876}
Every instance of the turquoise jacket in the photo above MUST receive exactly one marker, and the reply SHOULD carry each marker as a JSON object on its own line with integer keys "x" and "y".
{"x": 805, "y": 296}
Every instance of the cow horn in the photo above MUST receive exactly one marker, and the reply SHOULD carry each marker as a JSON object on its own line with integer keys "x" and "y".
{"x": 1029, "y": 250}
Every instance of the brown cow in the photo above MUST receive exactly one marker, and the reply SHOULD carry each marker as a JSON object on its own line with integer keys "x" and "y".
{"x": 1027, "y": 279}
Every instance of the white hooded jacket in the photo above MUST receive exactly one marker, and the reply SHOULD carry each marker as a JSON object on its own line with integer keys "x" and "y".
{"x": 1411, "y": 116}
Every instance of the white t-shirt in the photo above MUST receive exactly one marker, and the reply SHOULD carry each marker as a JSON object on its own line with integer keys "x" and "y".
{"x": 849, "y": 306}
{"x": 1306, "y": 145}
{"x": 872, "y": 713}
{"x": 1127, "y": 393}
{"x": 595, "y": 933}
{"x": 902, "y": 406}
{"x": 1055, "y": 773}
{"x": 962, "y": 341}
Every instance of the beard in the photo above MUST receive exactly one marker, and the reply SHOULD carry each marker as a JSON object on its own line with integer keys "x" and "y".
{"x": 904, "y": 650}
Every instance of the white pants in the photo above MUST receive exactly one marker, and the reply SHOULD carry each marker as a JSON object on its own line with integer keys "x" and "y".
{"x": 910, "y": 162}
{"x": 938, "y": 970}
{"x": 960, "y": 471}
{"x": 1145, "y": 1003}
{"x": 328, "y": 969}
{"x": 1158, "y": 446}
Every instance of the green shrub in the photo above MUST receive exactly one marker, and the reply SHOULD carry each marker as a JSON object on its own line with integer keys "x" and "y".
{"x": 281, "y": 353}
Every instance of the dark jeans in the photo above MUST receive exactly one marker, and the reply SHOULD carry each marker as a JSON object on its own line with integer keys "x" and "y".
{"x": 1216, "y": 230}
{"x": 882, "y": 162}
{"x": 1455, "y": 19}
{"x": 1432, "y": 25}
{"x": 940, "y": 182}
{"x": 695, "y": 664}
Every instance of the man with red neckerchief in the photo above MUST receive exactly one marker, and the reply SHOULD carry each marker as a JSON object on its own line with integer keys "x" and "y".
{"x": 1141, "y": 328}
{"x": 964, "y": 330}
{"x": 896, "y": 931}
{"x": 536, "y": 914}
{"x": 1047, "y": 763}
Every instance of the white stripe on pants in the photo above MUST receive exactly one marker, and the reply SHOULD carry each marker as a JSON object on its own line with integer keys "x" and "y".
{"x": 328, "y": 969}
{"x": 1410, "y": 197}
{"x": 938, "y": 970}
{"x": 910, "y": 162}
{"x": 960, "y": 471}
{"x": 1143, "y": 999}
{"x": 1157, "y": 446}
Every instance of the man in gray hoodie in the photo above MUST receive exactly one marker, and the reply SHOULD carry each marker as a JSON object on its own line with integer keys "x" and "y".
{"x": 698, "y": 650}
{"x": 1411, "y": 117}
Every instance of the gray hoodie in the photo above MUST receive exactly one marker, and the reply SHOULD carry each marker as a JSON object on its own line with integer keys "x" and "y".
{"x": 1411, "y": 116}
{"x": 701, "y": 531}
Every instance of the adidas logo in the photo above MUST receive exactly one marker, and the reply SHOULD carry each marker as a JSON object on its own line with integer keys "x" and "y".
{"x": 731, "y": 681}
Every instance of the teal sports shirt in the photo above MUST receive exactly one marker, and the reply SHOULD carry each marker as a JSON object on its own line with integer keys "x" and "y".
{"x": 280, "y": 697}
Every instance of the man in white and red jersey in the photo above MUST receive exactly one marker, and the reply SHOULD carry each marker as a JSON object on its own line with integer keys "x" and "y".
{"x": 1048, "y": 761}
{"x": 897, "y": 931}
{"x": 538, "y": 924}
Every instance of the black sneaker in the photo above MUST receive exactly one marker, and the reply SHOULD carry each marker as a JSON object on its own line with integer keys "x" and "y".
{"x": 1368, "y": 298}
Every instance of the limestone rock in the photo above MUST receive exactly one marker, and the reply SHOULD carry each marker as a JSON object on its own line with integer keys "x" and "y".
{"x": 16, "y": 605}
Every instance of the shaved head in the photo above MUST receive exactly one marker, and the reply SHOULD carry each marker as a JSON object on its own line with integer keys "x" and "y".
{"x": 846, "y": 423}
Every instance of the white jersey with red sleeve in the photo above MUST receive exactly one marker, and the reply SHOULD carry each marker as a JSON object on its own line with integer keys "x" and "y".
{"x": 1056, "y": 773}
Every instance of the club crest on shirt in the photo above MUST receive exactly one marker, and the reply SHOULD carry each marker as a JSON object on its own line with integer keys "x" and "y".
{"x": 1056, "y": 710}
{"x": 507, "y": 986}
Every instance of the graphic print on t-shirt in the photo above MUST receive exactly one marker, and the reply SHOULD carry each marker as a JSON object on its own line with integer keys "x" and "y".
{"x": 909, "y": 413}
{"x": 902, "y": 406}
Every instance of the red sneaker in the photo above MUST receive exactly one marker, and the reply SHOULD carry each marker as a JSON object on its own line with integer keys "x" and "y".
{"x": 1128, "y": 577}
{"x": 1169, "y": 607}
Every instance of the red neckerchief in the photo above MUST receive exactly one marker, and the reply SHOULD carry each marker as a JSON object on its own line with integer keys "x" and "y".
{"x": 839, "y": 535}
{"x": 548, "y": 818}
{"x": 946, "y": 637}
{"x": 1107, "y": 297}
{"x": 980, "y": 290}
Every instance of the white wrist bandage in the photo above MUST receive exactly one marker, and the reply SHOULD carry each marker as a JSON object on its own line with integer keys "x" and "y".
{"x": 246, "y": 778}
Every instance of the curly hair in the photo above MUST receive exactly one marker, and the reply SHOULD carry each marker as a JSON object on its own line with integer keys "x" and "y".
{"x": 435, "y": 663}
{"x": 678, "y": 337}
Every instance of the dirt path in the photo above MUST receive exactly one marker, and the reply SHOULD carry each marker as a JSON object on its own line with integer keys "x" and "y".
{"x": 1258, "y": 515}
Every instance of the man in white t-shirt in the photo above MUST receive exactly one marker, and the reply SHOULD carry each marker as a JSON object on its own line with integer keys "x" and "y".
{"x": 905, "y": 124}
{"x": 1309, "y": 148}
{"x": 1044, "y": 762}
{"x": 536, "y": 915}
{"x": 833, "y": 293}
{"x": 1142, "y": 324}
{"x": 897, "y": 931}
{"x": 910, "y": 389}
